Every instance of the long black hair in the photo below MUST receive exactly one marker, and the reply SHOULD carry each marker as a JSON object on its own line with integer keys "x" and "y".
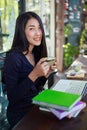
{"x": 20, "y": 42}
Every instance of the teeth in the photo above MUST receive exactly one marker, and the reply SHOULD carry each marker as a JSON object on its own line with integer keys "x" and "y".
{"x": 37, "y": 39}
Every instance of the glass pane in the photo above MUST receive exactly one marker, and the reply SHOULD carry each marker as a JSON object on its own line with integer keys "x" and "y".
{"x": 8, "y": 14}
{"x": 42, "y": 8}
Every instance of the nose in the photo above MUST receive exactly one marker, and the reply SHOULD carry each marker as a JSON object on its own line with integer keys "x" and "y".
{"x": 37, "y": 31}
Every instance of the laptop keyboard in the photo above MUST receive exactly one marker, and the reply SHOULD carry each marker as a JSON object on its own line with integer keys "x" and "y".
{"x": 74, "y": 90}
{"x": 72, "y": 86}
{"x": 78, "y": 90}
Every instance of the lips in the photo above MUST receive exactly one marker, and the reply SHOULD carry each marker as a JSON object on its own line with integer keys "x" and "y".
{"x": 37, "y": 39}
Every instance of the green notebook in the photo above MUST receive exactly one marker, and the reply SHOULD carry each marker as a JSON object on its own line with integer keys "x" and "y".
{"x": 56, "y": 99}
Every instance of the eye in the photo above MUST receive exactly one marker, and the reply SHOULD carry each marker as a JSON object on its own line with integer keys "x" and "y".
{"x": 31, "y": 28}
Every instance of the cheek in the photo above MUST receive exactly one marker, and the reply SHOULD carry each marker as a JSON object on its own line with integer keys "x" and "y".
{"x": 41, "y": 34}
{"x": 28, "y": 35}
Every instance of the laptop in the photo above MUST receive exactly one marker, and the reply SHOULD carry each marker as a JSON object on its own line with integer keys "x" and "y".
{"x": 71, "y": 86}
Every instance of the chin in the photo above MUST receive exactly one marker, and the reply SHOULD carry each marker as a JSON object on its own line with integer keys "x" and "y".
{"x": 37, "y": 44}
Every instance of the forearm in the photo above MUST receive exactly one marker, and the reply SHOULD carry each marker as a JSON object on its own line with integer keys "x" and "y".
{"x": 33, "y": 76}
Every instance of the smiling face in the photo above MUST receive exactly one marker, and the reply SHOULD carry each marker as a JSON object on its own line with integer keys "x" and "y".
{"x": 33, "y": 32}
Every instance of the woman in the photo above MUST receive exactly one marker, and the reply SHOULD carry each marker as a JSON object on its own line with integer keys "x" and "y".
{"x": 26, "y": 69}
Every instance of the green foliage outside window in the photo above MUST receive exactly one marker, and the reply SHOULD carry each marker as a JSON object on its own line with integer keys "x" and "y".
{"x": 70, "y": 54}
{"x": 68, "y": 29}
{"x": 83, "y": 38}
{"x": 70, "y": 51}
{"x": 83, "y": 42}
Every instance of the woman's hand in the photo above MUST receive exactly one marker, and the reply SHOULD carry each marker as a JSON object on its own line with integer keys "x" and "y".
{"x": 41, "y": 69}
{"x": 52, "y": 68}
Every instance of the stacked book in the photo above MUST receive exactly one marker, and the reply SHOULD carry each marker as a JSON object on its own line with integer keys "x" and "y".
{"x": 61, "y": 104}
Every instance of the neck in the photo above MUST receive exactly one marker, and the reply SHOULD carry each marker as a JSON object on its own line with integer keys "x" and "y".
{"x": 31, "y": 49}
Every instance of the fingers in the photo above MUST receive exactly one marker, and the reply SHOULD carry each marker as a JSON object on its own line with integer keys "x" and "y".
{"x": 42, "y": 60}
{"x": 43, "y": 67}
{"x": 53, "y": 67}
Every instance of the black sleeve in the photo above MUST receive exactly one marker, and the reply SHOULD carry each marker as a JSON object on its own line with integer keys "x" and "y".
{"x": 15, "y": 91}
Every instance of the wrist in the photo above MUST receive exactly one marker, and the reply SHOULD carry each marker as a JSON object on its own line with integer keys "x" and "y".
{"x": 33, "y": 76}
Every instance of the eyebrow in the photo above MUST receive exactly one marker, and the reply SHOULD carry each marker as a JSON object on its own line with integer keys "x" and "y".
{"x": 32, "y": 25}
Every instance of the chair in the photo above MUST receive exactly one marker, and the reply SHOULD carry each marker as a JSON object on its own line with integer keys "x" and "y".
{"x": 4, "y": 125}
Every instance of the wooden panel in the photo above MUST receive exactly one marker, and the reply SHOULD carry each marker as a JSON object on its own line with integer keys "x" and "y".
{"x": 59, "y": 33}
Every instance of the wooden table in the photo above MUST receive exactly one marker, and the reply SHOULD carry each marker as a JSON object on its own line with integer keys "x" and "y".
{"x": 42, "y": 120}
